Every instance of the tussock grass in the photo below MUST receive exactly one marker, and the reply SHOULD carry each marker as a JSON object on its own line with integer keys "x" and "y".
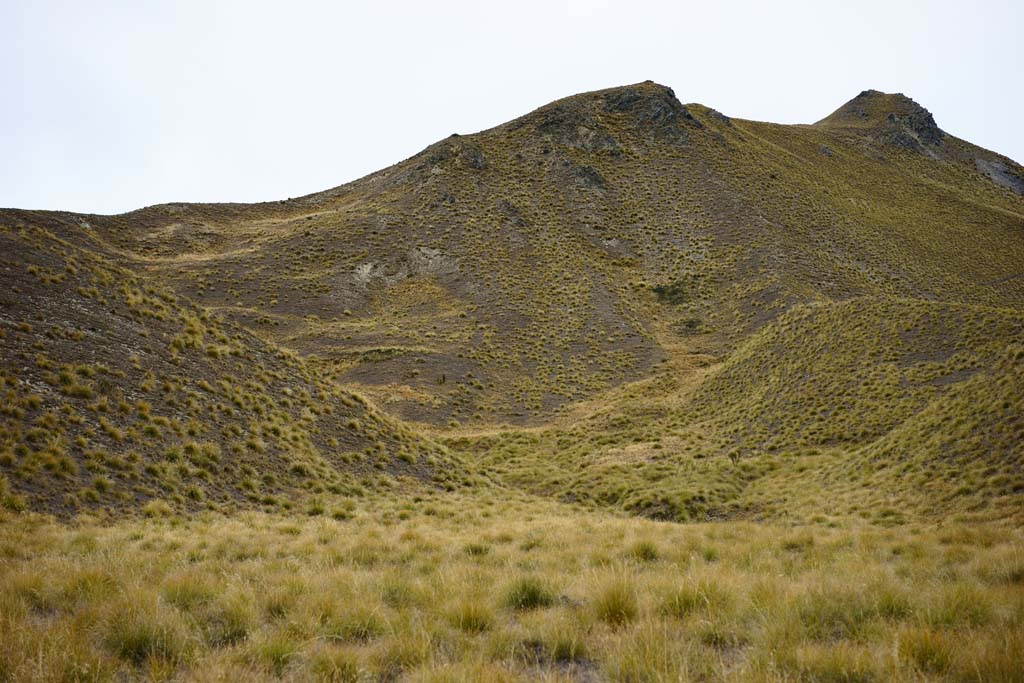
{"x": 528, "y": 593}
{"x": 389, "y": 596}
{"x": 615, "y": 601}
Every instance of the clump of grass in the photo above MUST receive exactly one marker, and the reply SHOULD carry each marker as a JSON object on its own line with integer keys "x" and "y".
{"x": 527, "y": 593}
{"x": 8, "y": 499}
{"x": 961, "y": 604}
{"x": 564, "y": 639}
{"x": 834, "y": 613}
{"x": 615, "y": 602}
{"x": 476, "y": 549}
{"x": 836, "y": 663}
{"x": 333, "y": 664}
{"x": 188, "y": 589}
{"x": 228, "y": 619}
{"x": 649, "y": 651}
{"x": 704, "y": 596}
{"x": 927, "y": 650}
{"x": 644, "y": 551}
{"x": 274, "y": 652}
{"x": 358, "y": 624}
{"x": 799, "y": 542}
{"x": 401, "y": 653}
{"x": 157, "y": 508}
{"x": 138, "y": 632}
{"x": 471, "y": 616}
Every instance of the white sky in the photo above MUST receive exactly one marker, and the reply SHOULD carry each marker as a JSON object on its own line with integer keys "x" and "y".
{"x": 110, "y": 106}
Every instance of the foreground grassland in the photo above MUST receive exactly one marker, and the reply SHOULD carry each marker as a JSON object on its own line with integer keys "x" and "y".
{"x": 451, "y": 588}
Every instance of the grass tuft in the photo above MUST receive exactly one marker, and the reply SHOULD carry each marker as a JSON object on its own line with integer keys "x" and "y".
{"x": 526, "y": 593}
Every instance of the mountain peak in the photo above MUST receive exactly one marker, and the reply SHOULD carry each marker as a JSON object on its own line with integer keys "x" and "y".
{"x": 586, "y": 120}
{"x": 891, "y": 117}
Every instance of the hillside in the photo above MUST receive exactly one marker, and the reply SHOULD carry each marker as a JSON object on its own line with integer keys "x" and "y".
{"x": 687, "y": 312}
{"x": 858, "y": 408}
{"x": 496, "y": 277}
{"x": 118, "y": 396}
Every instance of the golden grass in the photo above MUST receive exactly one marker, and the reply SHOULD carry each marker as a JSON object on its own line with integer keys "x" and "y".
{"x": 560, "y": 594}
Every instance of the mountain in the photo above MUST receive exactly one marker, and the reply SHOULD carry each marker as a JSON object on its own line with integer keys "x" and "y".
{"x": 616, "y": 299}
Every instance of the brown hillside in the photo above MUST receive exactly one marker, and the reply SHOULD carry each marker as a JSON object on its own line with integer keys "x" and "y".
{"x": 497, "y": 276}
{"x": 117, "y": 393}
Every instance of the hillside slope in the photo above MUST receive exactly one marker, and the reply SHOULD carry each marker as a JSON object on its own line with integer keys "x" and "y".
{"x": 498, "y": 276}
{"x": 861, "y": 407}
{"x": 116, "y": 393}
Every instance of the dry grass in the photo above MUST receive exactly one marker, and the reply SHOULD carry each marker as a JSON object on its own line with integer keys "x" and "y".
{"x": 562, "y": 594}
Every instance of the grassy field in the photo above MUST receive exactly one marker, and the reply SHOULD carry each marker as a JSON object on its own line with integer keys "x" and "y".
{"x": 452, "y": 588}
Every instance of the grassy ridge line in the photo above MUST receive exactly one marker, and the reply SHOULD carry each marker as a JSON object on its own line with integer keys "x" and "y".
{"x": 961, "y": 457}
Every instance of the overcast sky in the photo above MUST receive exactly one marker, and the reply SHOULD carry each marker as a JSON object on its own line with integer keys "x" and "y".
{"x": 110, "y": 106}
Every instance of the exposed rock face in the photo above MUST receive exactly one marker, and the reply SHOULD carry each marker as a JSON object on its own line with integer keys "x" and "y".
{"x": 894, "y": 120}
{"x": 574, "y": 126}
{"x": 588, "y": 176}
{"x": 890, "y": 118}
{"x": 1002, "y": 173}
{"x": 656, "y": 108}
{"x": 454, "y": 149}
{"x": 920, "y": 123}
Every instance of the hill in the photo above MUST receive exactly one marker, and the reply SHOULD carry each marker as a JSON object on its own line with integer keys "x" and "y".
{"x": 857, "y": 408}
{"x": 681, "y": 306}
{"x": 499, "y": 276}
